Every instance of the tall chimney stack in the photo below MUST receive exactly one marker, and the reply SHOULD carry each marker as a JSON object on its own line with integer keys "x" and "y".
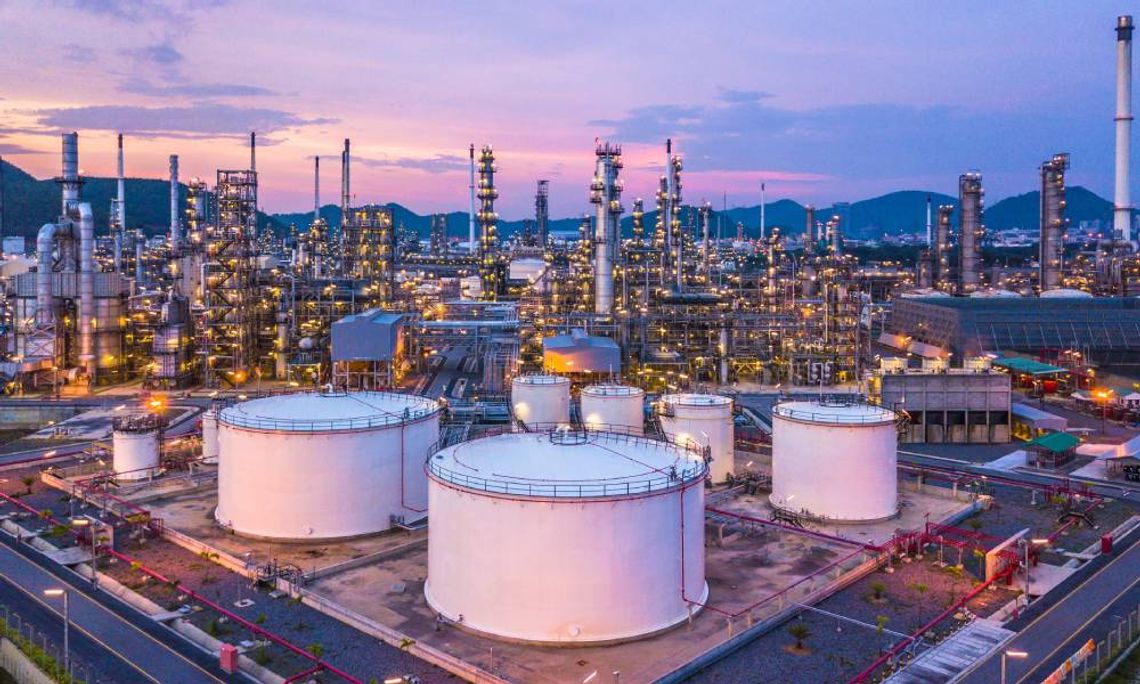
{"x": 253, "y": 151}
{"x": 316, "y": 188}
{"x": 1122, "y": 211}
{"x": 471, "y": 211}
{"x": 175, "y": 219}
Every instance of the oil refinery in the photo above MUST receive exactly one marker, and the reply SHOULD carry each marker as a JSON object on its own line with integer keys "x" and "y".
{"x": 661, "y": 445}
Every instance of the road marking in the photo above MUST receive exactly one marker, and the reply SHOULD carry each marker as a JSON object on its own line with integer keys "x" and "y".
{"x": 1086, "y": 583}
{"x": 118, "y": 618}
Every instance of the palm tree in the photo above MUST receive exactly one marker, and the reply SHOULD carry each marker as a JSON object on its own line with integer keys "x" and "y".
{"x": 209, "y": 557}
{"x": 28, "y": 481}
{"x": 799, "y": 631}
{"x": 878, "y": 591}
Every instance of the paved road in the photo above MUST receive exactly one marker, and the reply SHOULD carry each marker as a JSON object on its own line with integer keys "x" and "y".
{"x": 1085, "y": 612}
{"x": 100, "y": 665}
{"x": 140, "y": 642}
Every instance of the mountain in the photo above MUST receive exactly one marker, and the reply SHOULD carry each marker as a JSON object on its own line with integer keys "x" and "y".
{"x": 29, "y": 203}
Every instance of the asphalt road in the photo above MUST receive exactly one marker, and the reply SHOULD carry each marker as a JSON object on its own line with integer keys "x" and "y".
{"x": 153, "y": 653}
{"x": 1086, "y": 612}
{"x": 101, "y": 665}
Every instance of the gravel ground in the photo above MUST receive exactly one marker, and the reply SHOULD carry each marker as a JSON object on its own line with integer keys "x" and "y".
{"x": 914, "y": 594}
{"x": 341, "y": 645}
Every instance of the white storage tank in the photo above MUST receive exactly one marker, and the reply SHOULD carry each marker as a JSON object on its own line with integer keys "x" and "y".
{"x": 707, "y": 420}
{"x": 135, "y": 446}
{"x": 566, "y": 537}
{"x": 617, "y": 408}
{"x": 210, "y": 436}
{"x": 540, "y": 400}
{"x": 835, "y": 460}
{"x": 326, "y": 465}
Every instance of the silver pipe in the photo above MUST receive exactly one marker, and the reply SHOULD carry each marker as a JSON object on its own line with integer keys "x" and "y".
{"x": 87, "y": 353}
{"x": 70, "y": 179}
{"x": 316, "y": 188}
{"x": 175, "y": 219}
{"x": 471, "y": 210}
{"x": 45, "y": 244}
{"x": 1122, "y": 199}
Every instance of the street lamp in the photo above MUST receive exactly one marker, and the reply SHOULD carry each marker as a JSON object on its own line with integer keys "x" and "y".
{"x": 52, "y": 593}
{"x": 84, "y": 523}
{"x": 1011, "y": 654}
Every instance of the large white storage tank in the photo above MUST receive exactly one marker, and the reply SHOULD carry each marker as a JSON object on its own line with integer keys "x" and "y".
{"x": 210, "y": 436}
{"x": 324, "y": 465}
{"x": 705, "y": 419}
{"x": 540, "y": 400}
{"x": 135, "y": 446}
{"x": 835, "y": 460}
{"x": 618, "y": 408}
{"x": 566, "y": 537}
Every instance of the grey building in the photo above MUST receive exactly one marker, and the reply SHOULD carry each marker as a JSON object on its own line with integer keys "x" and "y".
{"x": 957, "y": 406}
{"x": 367, "y": 348}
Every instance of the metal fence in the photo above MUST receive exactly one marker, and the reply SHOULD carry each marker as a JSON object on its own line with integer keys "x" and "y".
{"x": 12, "y": 621}
{"x": 1097, "y": 657}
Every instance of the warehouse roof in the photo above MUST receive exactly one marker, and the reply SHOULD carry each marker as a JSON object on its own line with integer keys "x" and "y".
{"x": 1057, "y": 442}
{"x": 1027, "y": 366}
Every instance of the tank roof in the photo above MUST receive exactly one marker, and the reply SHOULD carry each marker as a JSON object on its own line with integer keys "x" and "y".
{"x": 327, "y": 411}
{"x": 567, "y": 464}
{"x": 834, "y": 413}
{"x": 696, "y": 399}
{"x": 613, "y": 390}
{"x": 540, "y": 379}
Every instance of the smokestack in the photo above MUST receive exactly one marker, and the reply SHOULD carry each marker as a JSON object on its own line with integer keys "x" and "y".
{"x": 1122, "y": 211}
{"x": 345, "y": 183}
{"x": 762, "y": 224}
{"x": 121, "y": 203}
{"x": 253, "y": 151}
{"x": 471, "y": 211}
{"x": 929, "y": 231}
{"x": 316, "y": 188}
{"x": 175, "y": 219}
{"x": 1, "y": 206}
{"x": 70, "y": 179}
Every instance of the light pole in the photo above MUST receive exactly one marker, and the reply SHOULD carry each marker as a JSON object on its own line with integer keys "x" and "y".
{"x": 1012, "y": 654}
{"x": 66, "y": 626}
{"x": 86, "y": 523}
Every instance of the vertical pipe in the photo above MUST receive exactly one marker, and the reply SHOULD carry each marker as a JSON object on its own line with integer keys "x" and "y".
{"x": 253, "y": 151}
{"x": 140, "y": 272}
{"x": 316, "y": 188}
{"x": 762, "y": 222}
{"x": 70, "y": 179}
{"x": 809, "y": 230}
{"x": 1122, "y": 211}
{"x": 175, "y": 219}
{"x": 1, "y": 205}
{"x": 667, "y": 208}
{"x": 87, "y": 352}
{"x": 471, "y": 209}
{"x": 120, "y": 210}
{"x": 929, "y": 227}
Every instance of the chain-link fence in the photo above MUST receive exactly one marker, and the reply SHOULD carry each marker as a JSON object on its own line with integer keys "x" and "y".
{"x": 45, "y": 650}
{"x": 1094, "y": 657}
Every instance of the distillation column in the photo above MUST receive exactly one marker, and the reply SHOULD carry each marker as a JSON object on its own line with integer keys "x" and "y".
{"x": 605, "y": 194}
{"x": 942, "y": 279}
{"x": 542, "y": 211}
{"x": 971, "y": 232}
{"x": 1053, "y": 222}
{"x": 488, "y": 223}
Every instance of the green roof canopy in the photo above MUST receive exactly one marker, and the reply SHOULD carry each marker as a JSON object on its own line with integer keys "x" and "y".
{"x": 1027, "y": 366}
{"x": 1057, "y": 442}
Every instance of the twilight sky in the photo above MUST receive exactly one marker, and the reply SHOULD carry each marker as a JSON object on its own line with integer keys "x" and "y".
{"x": 825, "y": 100}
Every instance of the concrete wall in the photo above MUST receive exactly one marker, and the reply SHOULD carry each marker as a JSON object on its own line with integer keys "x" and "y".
{"x": 22, "y": 669}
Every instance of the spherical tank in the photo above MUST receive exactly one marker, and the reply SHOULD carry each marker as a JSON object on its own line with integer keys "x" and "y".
{"x": 540, "y": 400}
{"x": 210, "y": 436}
{"x": 134, "y": 445}
{"x": 324, "y": 465}
{"x": 835, "y": 461}
{"x": 707, "y": 420}
{"x": 614, "y": 407}
{"x": 566, "y": 537}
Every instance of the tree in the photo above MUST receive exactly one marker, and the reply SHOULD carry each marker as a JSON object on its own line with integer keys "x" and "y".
{"x": 799, "y": 631}
{"x": 878, "y": 591}
{"x": 316, "y": 649}
{"x": 881, "y": 622}
{"x": 975, "y": 523}
{"x": 209, "y": 557}
{"x": 920, "y": 588}
{"x": 28, "y": 481}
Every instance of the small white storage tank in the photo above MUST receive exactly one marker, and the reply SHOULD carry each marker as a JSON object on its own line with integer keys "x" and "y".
{"x": 566, "y": 537}
{"x": 540, "y": 400}
{"x": 325, "y": 465}
{"x": 135, "y": 446}
{"x": 210, "y": 436}
{"x": 835, "y": 460}
{"x": 618, "y": 408}
{"x": 707, "y": 420}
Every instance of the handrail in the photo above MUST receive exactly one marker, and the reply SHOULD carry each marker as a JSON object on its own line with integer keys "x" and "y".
{"x": 657, "y": 481}
{"x": 233, "y": 417}
{"x": 884, "y": 418}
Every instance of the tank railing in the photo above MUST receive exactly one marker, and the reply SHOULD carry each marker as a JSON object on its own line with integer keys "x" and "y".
{"x": 831, "y": 418}
{"x": 671, "y": 479}
{"x": 236, "y": 419}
